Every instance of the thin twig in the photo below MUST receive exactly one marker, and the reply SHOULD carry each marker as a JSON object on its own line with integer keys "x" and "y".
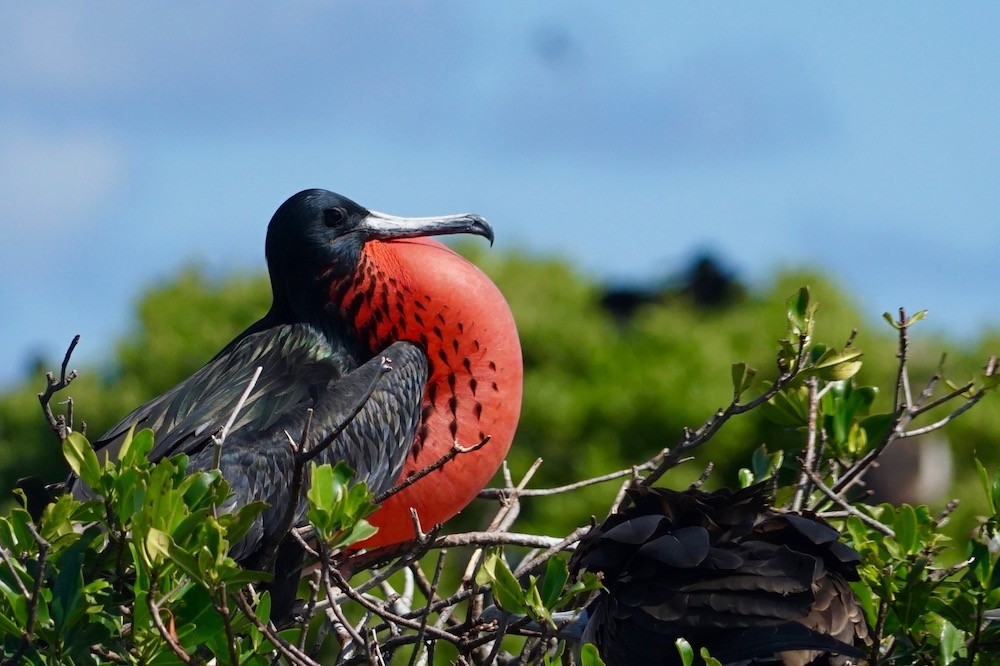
{"x": 902, "y": 396}
{"x": 966, "y": 406}
{"x": 222, "y": 608}
{"x": 154, "y": 612}
{"x": 454, "y": 451}
{"x": 53, "y": 386}
{"x": 703, "y": 477}
{"x": 292, "y": 653}
{"x": 496, "y": 538}
{"x": 430, "y": 600}
{"x": 951, "y": 395}
{"x": 310, "y": 610}
{"x": 32, "y": 599}
{"x": 692, "y": 439}
{"x": 563, "y": 544}
{"x": 847, "y": 506}
{"x": 305, "y": 456}
{"x": 496, "y": 493}
{"x": 383, "y": 612}
{"x": 809, "y": 459}
{"x": 220, "y": 438}
{"x": 334, "y": 607}
{"x": 503, "y": 518}
{"x": 14, "y": 574}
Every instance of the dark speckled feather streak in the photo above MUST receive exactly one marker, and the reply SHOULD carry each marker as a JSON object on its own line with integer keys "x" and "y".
{"x": 300, "y": 371}
{"x": 724, "y": 571}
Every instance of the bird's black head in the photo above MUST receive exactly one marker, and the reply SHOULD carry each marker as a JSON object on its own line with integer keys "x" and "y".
{"x": 316, "y": 237}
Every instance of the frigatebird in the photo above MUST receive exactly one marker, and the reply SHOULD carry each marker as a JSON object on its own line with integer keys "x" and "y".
{"x": 353, "y": 289}
{"x": 725, "y": 571}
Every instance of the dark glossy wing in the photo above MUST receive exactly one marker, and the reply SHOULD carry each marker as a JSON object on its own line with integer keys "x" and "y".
{"x": 260, "y": 464}
{"x": 296, "y": 361}
{"x": 724, "y": 571}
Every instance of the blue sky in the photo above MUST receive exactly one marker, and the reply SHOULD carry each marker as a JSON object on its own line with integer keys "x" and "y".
{"x": 858, "y": 138}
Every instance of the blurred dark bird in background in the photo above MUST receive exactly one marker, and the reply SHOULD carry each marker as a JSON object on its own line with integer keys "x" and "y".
{"x": 706, "y": 283}
{"x": 725, "y": 571}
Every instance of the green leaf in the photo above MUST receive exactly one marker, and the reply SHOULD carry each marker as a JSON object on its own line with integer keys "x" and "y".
{"x": 237, "y": 524}
{"x": 82, "y": 459}
{"x": 236, "y": 578}
{"x": 857, "y": 440}
{"x": 589, "y": 656}
{"x": 359, "y": 532}
{"x": 506, "y": 590}
{"x": 186, "y": 562}
{"x": 951, "y": 641}
{"x": 263, "y": 608}
{"x": 135, "y": 447}
{"x": 589, "y": 582}
{"x": 685, "y": 651}
{"x": 8, "y": 626}
{"x": 984, "y": 479}
{"x": 157, "y": 544}
{"x": 861, "y": 398}
{"x": 556, "y": 575}
{"x": 892, "y": 320}
{"x": 67, "y": 590}
{"x": 197, "y": 487}
{"x": 799, "y": 311}
{"x": 536, "y": 608}
{"x": 909, "y": 321}
{"x": 877, "y": 426}
{"x": 745, "y": 477}
{"x": 837, "y": 366}
{"x": 709, "y": 659}
{"x": 764, "y": 464}
{"x": 905, "y": 527}
{"x": 788, "y": 408}
{"x": 742, "y": 378}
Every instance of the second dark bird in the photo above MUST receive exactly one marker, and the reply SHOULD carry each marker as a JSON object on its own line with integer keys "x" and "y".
{"x": 725, "y": 571}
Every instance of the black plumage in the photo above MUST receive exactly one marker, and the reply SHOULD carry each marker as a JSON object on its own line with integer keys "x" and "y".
{"x": 299, "y": 373}
{"x": 725, "y": 571}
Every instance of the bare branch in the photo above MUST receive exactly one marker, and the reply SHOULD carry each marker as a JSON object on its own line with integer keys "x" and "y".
{"x": 381, "y": 611}
{"x": 692, "y": 439}
{"x": 563, "y": 544}
{"x": 496, "y": 493}
{"x": 293, "y": 654}
{"x": 976, "y": 397}
{"x": 165, "y": 633}
{"x": 454, "y": 451}
{"x": 847, "y": 506}
{"x": 902, "y": 397}
{"x": 495, "y": 538}
{"x": 430, "y": 600}
{"x": 58, "y": 424}
{"x": 951, "y": 395}
{"x": 220, "y": 438}
{"x": 809, "y": 459}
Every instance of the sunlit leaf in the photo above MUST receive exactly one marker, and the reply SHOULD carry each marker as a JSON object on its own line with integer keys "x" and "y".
{"x": 82, "y": 459}
{"x": 589, "y": 656}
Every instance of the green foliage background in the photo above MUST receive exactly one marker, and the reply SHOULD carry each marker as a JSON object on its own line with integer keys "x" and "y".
{"x": 600, "y": 394}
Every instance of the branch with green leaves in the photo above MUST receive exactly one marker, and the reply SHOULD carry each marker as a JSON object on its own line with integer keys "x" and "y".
{"x": 142, "y": 572}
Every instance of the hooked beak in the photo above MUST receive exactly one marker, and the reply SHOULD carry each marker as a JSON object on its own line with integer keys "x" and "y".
{"x": 379, "y": 226}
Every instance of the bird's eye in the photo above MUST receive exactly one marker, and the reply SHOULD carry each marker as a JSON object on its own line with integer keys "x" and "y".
{"x": 334, "y": 217}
